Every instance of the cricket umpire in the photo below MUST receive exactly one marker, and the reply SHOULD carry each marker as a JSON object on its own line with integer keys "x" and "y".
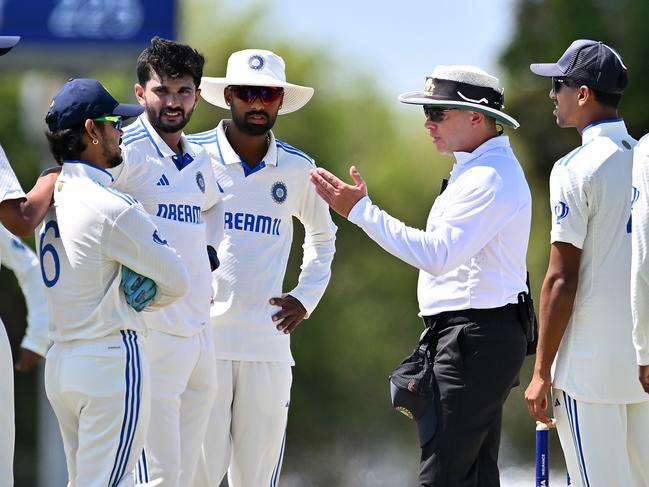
{"x": 471, "y": 258}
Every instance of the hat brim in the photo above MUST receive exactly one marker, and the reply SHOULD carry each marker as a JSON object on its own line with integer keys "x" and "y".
{"x": 7, "y": 43}
{"x": 546, "y": 69}
{"x": 419, "y": 98}
{"x": 295, "y": 96}
{"x": 127, "y": 110}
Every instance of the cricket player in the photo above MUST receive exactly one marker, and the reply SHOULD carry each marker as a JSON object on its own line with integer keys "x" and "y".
{"x": 585, "y": 352}
{"x": 15, "y": 255}
{"x": 19, "y": 213}
{"x": 96, "y": 373}
{"x": 266, "y": 184}
{"x": 174, "y": 181}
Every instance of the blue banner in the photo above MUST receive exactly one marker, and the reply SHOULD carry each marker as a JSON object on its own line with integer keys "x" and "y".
{"x": 92, "y": 22}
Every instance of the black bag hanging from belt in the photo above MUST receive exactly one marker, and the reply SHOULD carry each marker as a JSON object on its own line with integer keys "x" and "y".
{"x": 528, "y": 318}
{"x": 412, "y": 387}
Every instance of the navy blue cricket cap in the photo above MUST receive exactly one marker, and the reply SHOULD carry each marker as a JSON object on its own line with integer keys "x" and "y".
{"x": 591, "y": 63}
{"x": 419, "y": 409}
{"x": 7, "y": 42}
{"x": 81, "y": 99}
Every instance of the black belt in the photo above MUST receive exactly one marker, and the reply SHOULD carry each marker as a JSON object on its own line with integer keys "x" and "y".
{"x": 450, "y": 318}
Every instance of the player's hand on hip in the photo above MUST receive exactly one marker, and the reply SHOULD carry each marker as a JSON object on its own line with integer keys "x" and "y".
{"x": 536, "y": 396}
{"x": 644, "y": 377}
{"x": 138, "y": 290}
{"x": 27, "y": 360}
{"x": 338, "y": 194}
{"x": 291, "y": 314}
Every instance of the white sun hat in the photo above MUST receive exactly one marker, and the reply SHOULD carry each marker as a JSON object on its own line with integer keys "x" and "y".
{"x": 255, "y": 67}
{"x": 463, "y": 87}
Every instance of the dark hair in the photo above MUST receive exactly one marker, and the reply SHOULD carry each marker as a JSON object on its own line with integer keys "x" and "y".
{"x": 611, "y": 100}
{"x": 169, "y": 59}
{"x": 66, "y": 144}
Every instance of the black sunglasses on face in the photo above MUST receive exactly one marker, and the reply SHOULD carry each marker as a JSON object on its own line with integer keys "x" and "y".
{"x": 435, "y": 114}
{"x": 267, "y": 94}
{"x": 557, "y": 83}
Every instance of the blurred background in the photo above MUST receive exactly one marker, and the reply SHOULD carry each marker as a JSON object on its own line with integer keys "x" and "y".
{"x": 342, "y": 431}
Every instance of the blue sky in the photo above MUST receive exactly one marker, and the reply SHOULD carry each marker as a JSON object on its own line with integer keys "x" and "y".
{"x": 399, "y": 41}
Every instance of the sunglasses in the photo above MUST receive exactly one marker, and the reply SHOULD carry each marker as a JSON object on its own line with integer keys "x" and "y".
{"x": 435, "y": 114}
{"x": 116, "y": 119}
{"x": 248, "y": 94}
{"x": 557, "y": 83}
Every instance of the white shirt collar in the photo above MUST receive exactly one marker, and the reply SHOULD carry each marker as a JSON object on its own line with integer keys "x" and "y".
{"x": 488, "y": 145}
{"x": 85, "y": 169}
{"x": 161, "y": 146}
{"x": 613, "y": 128}
{"x": 229, "y": 156}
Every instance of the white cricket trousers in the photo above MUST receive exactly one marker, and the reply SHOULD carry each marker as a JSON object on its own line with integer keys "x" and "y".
{"x": 247, "y": 426}
{"x": 605, "y": 445}
{"x": 7, "y": 421}
{"x": 183, "y": 387}
{"x": 100, "y": 392}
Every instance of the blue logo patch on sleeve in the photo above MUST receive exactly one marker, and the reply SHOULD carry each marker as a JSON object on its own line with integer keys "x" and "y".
{"x": 560, "y": 211}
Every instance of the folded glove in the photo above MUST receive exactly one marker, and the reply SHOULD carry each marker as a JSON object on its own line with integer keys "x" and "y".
{"x": 138, "y": 290}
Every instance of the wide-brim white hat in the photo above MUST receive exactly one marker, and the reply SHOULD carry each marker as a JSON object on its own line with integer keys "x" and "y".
{"x": 463, "y": 87}
{"x": 255, "y": 67}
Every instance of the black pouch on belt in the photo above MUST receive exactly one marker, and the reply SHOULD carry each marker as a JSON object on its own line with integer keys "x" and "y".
{"x": 528, "y": 318}
{"x": 411, "y": 388}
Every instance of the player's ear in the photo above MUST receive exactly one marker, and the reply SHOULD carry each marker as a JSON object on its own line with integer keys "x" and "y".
{"x": 139, "y": 93}
{"x": 91, "y": 130}
{"x": 227, "y": 94}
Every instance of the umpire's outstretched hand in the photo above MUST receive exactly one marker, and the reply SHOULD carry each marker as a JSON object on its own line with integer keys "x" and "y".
{"x": 291, "y": 314}
{"x": 338, "y": 194}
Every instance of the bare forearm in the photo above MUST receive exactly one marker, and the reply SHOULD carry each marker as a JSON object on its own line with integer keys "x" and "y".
{"x": 21, "y": 216}
{"x": 557, "y": 300}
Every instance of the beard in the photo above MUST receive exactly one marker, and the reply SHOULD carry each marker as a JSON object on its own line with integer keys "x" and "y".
{"x": 113, "y": 159}
{"x": 241, "y": 121}
{"x": 155, "y": 118}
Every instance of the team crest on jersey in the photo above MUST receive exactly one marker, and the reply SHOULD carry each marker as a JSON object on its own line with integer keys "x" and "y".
{"x": 560, "y": 211}
{"x": 256, "y": 62}
{"x": 200, "y": 181}
{"x": 278, "y": 192}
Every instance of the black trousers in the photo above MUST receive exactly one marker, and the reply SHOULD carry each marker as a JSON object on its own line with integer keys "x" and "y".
{"x": 478, "y": 356}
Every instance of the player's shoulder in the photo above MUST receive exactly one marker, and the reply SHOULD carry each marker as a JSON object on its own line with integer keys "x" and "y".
{"x": 643, "y": 144}
{"x": 293, "y": 155}
{"x": 135, "y": 133}
{"x": 203, "y": 138}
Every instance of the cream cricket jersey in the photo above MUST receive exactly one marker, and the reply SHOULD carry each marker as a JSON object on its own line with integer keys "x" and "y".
{"x": 85, "y": 238}
{"x": 260, "y": 204}
{"x": 15, "y": 255}
{"x": 9, "y": 186}
{"x": 472, "y": 252}
{"x": 590, "y": 196}
{"x": 182, "y": 197}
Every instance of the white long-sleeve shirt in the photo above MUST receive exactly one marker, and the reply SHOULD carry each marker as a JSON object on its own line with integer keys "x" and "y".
{"x": 89, "y": 233}
{"x": 184, "y": 204}
{"x": 260, "y": 204}
{"x": 19, "y": 258}
{"x": 10, "y": 188}
{"x": 472, "y": 252}
{"x": 640, "y": 253}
